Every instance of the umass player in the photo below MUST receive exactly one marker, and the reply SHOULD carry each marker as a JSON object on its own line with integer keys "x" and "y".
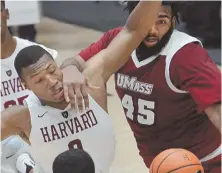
{"x": 50, "y": 126}
{"x": 170, "y": 90}
{"x": 15, "y": 156}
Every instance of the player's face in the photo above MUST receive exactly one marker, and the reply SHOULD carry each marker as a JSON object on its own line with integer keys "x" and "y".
{"x": 4, "y": 18}
{"x": 44, "y": 78}
{"x": 162, "y": 26}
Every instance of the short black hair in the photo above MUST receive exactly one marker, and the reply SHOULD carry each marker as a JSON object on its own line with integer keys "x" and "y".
{"x": 73, "y": 161}
{"x": 28, "y": 56}
{"x": 130, "y": 5}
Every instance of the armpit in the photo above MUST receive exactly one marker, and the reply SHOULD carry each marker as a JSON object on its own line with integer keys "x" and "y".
{"x": 25, "y": 137}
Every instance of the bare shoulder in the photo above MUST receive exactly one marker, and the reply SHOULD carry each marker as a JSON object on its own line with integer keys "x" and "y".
{"x": 15, "y": 120}
{"x": 15, "y": 114}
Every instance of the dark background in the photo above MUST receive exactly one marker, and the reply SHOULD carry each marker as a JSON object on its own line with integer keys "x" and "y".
{"x": 199, "y": 18}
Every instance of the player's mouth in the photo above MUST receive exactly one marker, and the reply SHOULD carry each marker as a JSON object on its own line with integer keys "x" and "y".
{"x": 150, "y": 41}
{"x": 59, "y": 93}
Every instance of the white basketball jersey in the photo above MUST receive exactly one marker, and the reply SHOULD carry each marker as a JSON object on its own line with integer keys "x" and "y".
{"x": 55, "y": 131}
{"x": 12, "y": 90}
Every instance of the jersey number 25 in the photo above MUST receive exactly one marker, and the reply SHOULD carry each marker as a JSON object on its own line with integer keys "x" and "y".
{"x": 145, "y": 114}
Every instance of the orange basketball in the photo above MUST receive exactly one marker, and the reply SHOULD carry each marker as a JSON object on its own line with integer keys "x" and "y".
{"x": 176, "y": 161}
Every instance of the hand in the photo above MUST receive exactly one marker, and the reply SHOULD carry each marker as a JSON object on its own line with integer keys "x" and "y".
{"x": 76, "y": 88}
{"x": 24, "y": 162}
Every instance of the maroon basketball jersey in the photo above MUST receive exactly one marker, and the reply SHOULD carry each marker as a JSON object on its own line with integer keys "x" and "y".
{"x": 164, "y": 96}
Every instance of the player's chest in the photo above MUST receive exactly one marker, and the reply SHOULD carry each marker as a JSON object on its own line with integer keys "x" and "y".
{"x": 52, "y": 125}
{"x": 145, "y": 94}
{"x": 148, "y": 82}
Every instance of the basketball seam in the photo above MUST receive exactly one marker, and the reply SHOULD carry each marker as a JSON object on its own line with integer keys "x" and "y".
{"x": 183, "y": 167}
{"x": 166, "y": 158}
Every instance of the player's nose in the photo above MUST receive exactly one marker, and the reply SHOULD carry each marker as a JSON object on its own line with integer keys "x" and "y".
{"x": 51, "y": 81}
{"x": 153, "y": 30}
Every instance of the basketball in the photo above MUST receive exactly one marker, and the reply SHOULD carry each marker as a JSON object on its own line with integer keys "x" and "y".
{"x": 176, "y": 161}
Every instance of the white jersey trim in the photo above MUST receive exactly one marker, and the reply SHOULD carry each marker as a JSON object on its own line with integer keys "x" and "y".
{"x": 177, "y": 41}
{"x": 180, "y": 40}
{"x": 212, "y": 155}
{"x": 144, "y": 62}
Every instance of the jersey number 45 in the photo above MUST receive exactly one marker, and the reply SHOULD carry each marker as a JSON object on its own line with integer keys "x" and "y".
{"x": 145, "y": 114}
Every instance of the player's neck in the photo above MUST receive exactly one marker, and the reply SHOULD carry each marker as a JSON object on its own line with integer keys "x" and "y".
{"x": 61, "y": 105}
{"x": 8, "y": 46}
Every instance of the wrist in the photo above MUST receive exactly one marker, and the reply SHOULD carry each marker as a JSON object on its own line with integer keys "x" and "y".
{"x": 71, "y": 62}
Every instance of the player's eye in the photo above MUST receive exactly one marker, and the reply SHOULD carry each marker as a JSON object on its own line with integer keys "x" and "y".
{"x": 37, "y": 81}
{"x": 52, "y": 70}
{"x": 161, "y": 22}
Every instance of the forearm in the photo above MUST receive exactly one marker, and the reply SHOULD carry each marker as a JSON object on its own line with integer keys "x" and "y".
{"x": 214, "y": 114}
{"x": 119, "y": 50}
{"x": 76, "y": 61}
{"x": 143, "y": 17}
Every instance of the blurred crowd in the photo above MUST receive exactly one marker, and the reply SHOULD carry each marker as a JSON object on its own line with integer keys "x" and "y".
{"x": 201, "y": 19}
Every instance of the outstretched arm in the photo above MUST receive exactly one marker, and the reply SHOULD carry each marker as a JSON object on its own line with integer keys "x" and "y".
{"x": 15, "y": 121}
{"x": 99, "y": 68}
{"x": 109, "y": 60}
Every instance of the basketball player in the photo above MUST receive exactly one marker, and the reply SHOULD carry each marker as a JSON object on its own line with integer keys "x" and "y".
{"x": 73, "y": 161}
{"x": 170, "y": 90}
{"x": 50, "y": 126}
{"x": 15, "y": 151}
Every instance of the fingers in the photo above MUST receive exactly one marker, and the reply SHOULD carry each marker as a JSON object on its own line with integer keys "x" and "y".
{"x": 79, "y": 96}
{"x": 84, "y": 92}
{"x": 71, "y": 93}
{"x": 66, "y": 93}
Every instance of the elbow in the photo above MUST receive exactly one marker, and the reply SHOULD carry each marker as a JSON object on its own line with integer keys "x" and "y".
{"x": 139, "y": 33}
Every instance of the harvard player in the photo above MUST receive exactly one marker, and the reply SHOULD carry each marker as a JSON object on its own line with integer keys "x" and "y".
{"x": 170, "y": 90}
{"x": 47, "y": 122}
{"x": 14, "y": 149}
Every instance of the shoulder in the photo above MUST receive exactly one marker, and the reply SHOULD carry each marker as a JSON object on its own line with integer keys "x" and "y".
{"x": 190, "y": 53}
{"x": 16, "y": 110}
{"x": 15, "y": 114}
{"x": 113, "y": 33}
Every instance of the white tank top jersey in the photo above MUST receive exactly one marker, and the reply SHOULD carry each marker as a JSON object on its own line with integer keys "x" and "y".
{"x": 55, "y": 131}
{"x": 12, "y": 90}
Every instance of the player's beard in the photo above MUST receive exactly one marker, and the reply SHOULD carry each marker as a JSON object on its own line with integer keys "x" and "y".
{"x": 144, "y": 52}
